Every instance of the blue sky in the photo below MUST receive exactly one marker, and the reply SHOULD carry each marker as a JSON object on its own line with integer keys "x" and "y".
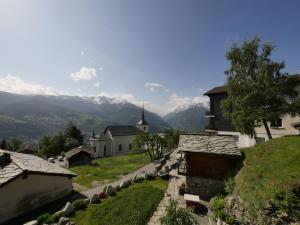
{"x": 163, "y": 52}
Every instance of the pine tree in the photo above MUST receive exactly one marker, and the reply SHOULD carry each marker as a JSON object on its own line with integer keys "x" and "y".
{"x": 258, "y": 92}
{"x": 72, "y": 131}
{"x": 3, "y": 144}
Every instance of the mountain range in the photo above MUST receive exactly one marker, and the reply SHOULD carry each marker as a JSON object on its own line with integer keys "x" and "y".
{"x": 189, "y": 118}
{"x": 30, "y": 116}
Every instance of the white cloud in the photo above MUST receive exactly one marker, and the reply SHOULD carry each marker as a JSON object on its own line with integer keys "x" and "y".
{"x": 15, "y": 84}
{"x": 96, "y": 84}
{"x": 153, "y": 86}
{"x": 84, "y": 74}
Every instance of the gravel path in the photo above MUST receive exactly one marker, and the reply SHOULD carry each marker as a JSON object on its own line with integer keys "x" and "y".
{"x": 149, "y": 168}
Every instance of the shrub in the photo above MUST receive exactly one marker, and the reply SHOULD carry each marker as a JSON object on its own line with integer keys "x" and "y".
{"x": 139, "y": 179}
{"x": 229, "y": 184}
{"x": 285, "y": 201}
{"x": 218, "y": 211}
{"x": 48, "y": 219}
{"x": 79, "y": 204}
{"x": 177, "y": 216}
{"x": 42, "y": 218}
{"x": 102, "y": 195}
{"x": 182, "y": 189}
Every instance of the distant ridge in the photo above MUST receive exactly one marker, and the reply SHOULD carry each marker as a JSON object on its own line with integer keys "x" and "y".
{"x": 30, "y": 116}
{"x": 189, "y": 118}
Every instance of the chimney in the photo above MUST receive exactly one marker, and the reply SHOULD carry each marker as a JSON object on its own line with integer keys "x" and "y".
{"x": 4, "y": 159}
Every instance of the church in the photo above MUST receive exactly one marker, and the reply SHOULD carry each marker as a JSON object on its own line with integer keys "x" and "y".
{"x": 117, "y": 140}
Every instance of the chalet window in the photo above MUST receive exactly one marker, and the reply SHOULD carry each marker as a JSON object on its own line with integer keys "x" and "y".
{"x": 260, "y": 140}
{"x": 144, "y": 128}
{"x": 276, "y": 123}
{"x": 130, "y": 146}
{"x": 120, "y": 147}
{"x": 95, "y": 149}
{"x": 104, "y": 148}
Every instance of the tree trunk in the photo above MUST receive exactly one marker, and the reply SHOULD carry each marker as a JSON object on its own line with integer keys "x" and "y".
{"x": 267, "y": 129}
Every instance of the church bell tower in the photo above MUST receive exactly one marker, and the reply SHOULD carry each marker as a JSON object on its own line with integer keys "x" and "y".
{"x": 142, "y": 125}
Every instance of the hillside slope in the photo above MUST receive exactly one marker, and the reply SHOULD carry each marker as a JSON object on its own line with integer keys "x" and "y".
{"x": 269, "y": 169}
{"x": 189, "y": 119}
{"x": 30, "y": 116}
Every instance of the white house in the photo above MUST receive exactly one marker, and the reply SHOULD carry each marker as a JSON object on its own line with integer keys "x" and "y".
{"x": 117, "y": 140}
{"x": 28, "y": 182}
{"x": 287, "y": 125}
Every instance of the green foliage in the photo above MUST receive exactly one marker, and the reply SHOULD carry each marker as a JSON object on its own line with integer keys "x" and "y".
{"x": 131, "y": 206}
{"x": 3, "y": 144}
{"x": 48, "y": 219}
{"x": 153, "y": 144}
{"x": 229, "y": 185}
{"x": 73, "y": 132}
{"x": 79, "y": 204}
{"x": 14, "y": 144}
{"x": 286, "y": 201}
{"x": 109, "y": 168}
{"x": 172, "y": 139}
{"x": 257, "y": 89}
{"x": 176, "y": 215}
{"x": 71, "y": 143}
{"x": 52, "y": 146}
{"x": 271, "y": 165}
{"x": 218, "y": 211}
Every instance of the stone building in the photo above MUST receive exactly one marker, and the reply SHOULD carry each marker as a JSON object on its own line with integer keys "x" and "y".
{"x": 78, "y": 156}
{"x": 207, "y": 161}
{"x": 28, "y": 182}
{"x": 286, "y": 125}
{"x": 117, "y": 140}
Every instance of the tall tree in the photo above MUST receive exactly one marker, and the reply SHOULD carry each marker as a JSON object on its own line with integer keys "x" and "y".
{"x": 153, "y": 144}
{"x": 3, "y": 144}
{"x": 258, "y": 92}
{"x": 72, "y": 131}
{"x": 14, "y": 144}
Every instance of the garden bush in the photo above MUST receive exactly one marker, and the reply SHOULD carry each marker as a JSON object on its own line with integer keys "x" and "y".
{"x": 79, "y": 204}
{"x": 177, "y": 216}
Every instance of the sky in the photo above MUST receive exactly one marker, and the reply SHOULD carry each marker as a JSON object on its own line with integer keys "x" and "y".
{"x": 165, "y": 53}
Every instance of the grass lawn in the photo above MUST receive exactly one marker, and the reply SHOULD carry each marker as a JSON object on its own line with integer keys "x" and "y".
{"x": 274, "y": 164}
{"x": 109, "y": 169}
{"x": 131, "y": 206}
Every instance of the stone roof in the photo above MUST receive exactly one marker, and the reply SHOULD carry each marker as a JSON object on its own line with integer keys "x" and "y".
{"x": 23, "y": 163}
{"x": 215, "y": 144}
{"x": 122, "y": 130}
{"x": 75, "y": 151}
{"x": 217, "y": 90}
{"x": 223, "y": 89}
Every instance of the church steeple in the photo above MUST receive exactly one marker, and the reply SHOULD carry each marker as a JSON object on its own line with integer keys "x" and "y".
{"x": 142, "y": 125}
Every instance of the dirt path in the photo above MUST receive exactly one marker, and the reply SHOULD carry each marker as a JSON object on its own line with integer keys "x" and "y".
{"x": 149, "y": 168}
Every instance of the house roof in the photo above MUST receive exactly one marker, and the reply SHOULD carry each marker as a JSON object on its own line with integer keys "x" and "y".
{"x": 214, "y": 144}
{"x": 223, "y": 89}
{"x": 23, "y": 163}
{"x": 216, "y": 90}
{"x": 75, "y": 151}
{"x": 122, "y": 130}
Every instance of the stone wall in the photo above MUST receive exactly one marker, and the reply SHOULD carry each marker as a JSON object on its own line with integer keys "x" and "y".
{"x": 204, "y": 187}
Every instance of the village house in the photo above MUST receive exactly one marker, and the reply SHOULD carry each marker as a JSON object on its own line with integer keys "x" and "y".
{"x": 28, "y": 182}
{"x": 207, "y": 162}
{"x": 287, "y": 125}
{"x": 117, "y": 140}
{"x": 78, "y": 156}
